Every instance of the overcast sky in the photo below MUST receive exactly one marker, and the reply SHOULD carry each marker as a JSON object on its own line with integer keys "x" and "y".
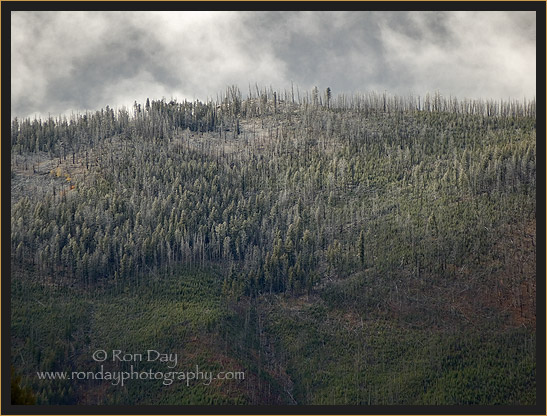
{"x": 63, "y": 61}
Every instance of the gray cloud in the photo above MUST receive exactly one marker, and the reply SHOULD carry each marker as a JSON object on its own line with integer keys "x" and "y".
{"x": 63, "y": 61}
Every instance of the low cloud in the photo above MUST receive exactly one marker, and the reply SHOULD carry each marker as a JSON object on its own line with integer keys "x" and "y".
{"x": 73, "y": 61}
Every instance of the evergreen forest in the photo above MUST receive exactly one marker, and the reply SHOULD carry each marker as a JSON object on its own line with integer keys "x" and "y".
{"x": 364, "y": 249}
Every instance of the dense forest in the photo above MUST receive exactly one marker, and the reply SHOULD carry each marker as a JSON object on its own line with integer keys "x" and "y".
{"x": 364, "y": 249}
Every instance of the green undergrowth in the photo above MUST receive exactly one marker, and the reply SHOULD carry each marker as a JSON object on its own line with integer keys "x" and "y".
{"x": 336, "y": 356}
{"x": 329, "y": 348}
{"x": 58, "y": 328}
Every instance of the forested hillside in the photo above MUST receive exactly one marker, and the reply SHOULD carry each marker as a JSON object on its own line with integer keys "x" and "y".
{"x": 364, "y": 249}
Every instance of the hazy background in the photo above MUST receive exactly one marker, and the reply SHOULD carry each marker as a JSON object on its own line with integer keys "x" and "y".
{"x": 63, "y": 61}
